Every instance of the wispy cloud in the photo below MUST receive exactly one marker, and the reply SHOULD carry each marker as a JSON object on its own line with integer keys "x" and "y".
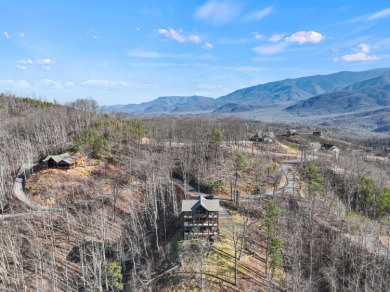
{"x": 179, "y": 36}
{"x": 45, "y": 62}
{"x": 380, "y": 14}
{"x": 6, "y": 35}
{"x": 69, "y": 84}
{"x": 26, "y": 62}
{"x": 144, "y": 54}
{"x": 105, "y": 84}
{"x": 208, "y": 45}
{"x": 362, "y": 54}
{"x": 22, "y": 35}
{"x": 371, "y": 17}
{"x": 303, "y": 37}
{"x": 21, "y": 67}
{"x": 50, "y": 84}
{"x": 276, "y": 38}
{"x": 258, "y": 15}
{"x": 269, "y": 49}
{"x": 140, "y": 53}
{"x": 12, "y": 83}
{"x": 218, "y": 12}
{"x": 257, "y": 35}
{"x": 91, "y": 34}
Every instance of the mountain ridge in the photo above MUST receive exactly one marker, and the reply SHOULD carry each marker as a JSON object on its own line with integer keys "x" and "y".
{"x": 286, "y": 93}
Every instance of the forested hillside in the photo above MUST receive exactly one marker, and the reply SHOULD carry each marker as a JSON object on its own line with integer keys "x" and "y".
{"x": 291, "y": 219}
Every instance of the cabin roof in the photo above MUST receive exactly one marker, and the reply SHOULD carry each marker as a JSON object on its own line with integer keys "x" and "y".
{"x": 66, "y": 157}
{"x": 191, "y": 205}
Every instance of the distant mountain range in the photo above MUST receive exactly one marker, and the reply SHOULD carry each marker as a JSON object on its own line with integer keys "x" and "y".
{"x": 167, "y": 104}
{"x": 362, "y": 95}
{"x": 334, "y": 94}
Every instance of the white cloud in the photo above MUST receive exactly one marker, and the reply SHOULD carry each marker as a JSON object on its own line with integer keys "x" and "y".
{"x": 22, "y": 35}
{"x": 380, "y": 14}
{"x": 258, "y": 36}
{"x": 362, "y": 54}
{"x": 269, "y": 49}
{"x": 69, "y": 84}
{"x": 217, "y": 12}
{"x": 6, "y": 35}
{"x": 50, "y": 84}
{"x": 26, "y": 62}
{"x": 195, "y": 39}
{"x": 359, "y": 57}
{"x": 172, "y": 34}
{"x": 14, "y": 83}
{"x": 258, "y": 15}
{"x": 106, "y": 84}
{"x": 276, "y": 38}
{"x": 364, "y": 48}
{"x": 303, "y": 37}
{"x": 179, "y": 36}
{"x": 45, "y": 62}
{"x": 208, "y": 45}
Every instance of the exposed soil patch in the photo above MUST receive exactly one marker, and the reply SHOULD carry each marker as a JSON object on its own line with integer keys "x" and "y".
{"x": 57, "y": 186}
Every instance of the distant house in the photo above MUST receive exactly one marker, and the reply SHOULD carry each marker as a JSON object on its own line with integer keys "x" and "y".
{"x": 329, "y": 148}
{"x": 64, "y": 161}
{"x": 200, "y": 217}
{"x": 266, "y": 137}
{"x": 369, "y": 149}
{"x": 292, "y": 132}
{"x": 317, "y": 133}
{"x": 314, "y": 146}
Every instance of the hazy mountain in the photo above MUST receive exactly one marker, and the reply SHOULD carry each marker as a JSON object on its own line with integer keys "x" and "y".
{"x": 275, "y": 94}
{"x": 167, "y": 104}
{"x": 235, "y": 108}
{"x": 289, "y": 91}
{"x": 362, "y": 95}
{"x": 372, "y": 120}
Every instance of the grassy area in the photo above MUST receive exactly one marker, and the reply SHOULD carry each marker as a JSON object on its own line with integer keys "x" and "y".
{"x": 291, "y": 145}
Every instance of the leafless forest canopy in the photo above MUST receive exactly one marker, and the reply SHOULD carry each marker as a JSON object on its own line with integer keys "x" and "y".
{"x": 331, "y": 237}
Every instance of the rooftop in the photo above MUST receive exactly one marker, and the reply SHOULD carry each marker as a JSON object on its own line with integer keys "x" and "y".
{"x": 191, "y": 205}
{"x": 62, "y": 157}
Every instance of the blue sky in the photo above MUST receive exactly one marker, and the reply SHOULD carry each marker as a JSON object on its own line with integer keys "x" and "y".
{"x": 120, "y": 52}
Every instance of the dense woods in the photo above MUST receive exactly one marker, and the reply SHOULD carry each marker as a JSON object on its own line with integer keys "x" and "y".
{"x": 326, "y": 238}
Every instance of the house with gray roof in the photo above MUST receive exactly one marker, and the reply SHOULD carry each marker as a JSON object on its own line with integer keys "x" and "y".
{"x": 64, "y": 160}
{"x": 200, "y": 218}
{"x": 314, "y": 146}
{"x": 266, "y": 137}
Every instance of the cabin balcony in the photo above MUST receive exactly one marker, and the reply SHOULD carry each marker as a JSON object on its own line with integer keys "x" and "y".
{"x": 200, "y": 224}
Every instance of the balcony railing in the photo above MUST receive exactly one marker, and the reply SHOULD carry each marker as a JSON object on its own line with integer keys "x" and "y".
{"x": 201, "y": 233}
{"x": 200, "y": 224}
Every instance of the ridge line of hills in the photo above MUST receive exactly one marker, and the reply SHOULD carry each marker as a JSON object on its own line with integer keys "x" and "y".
{"x": 339, "y": 93}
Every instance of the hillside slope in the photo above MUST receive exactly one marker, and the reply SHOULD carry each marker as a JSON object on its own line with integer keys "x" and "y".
{"x": 166, "y": 104}
{"x": 291, "y": 90}
{"x": 363, "y": 95}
